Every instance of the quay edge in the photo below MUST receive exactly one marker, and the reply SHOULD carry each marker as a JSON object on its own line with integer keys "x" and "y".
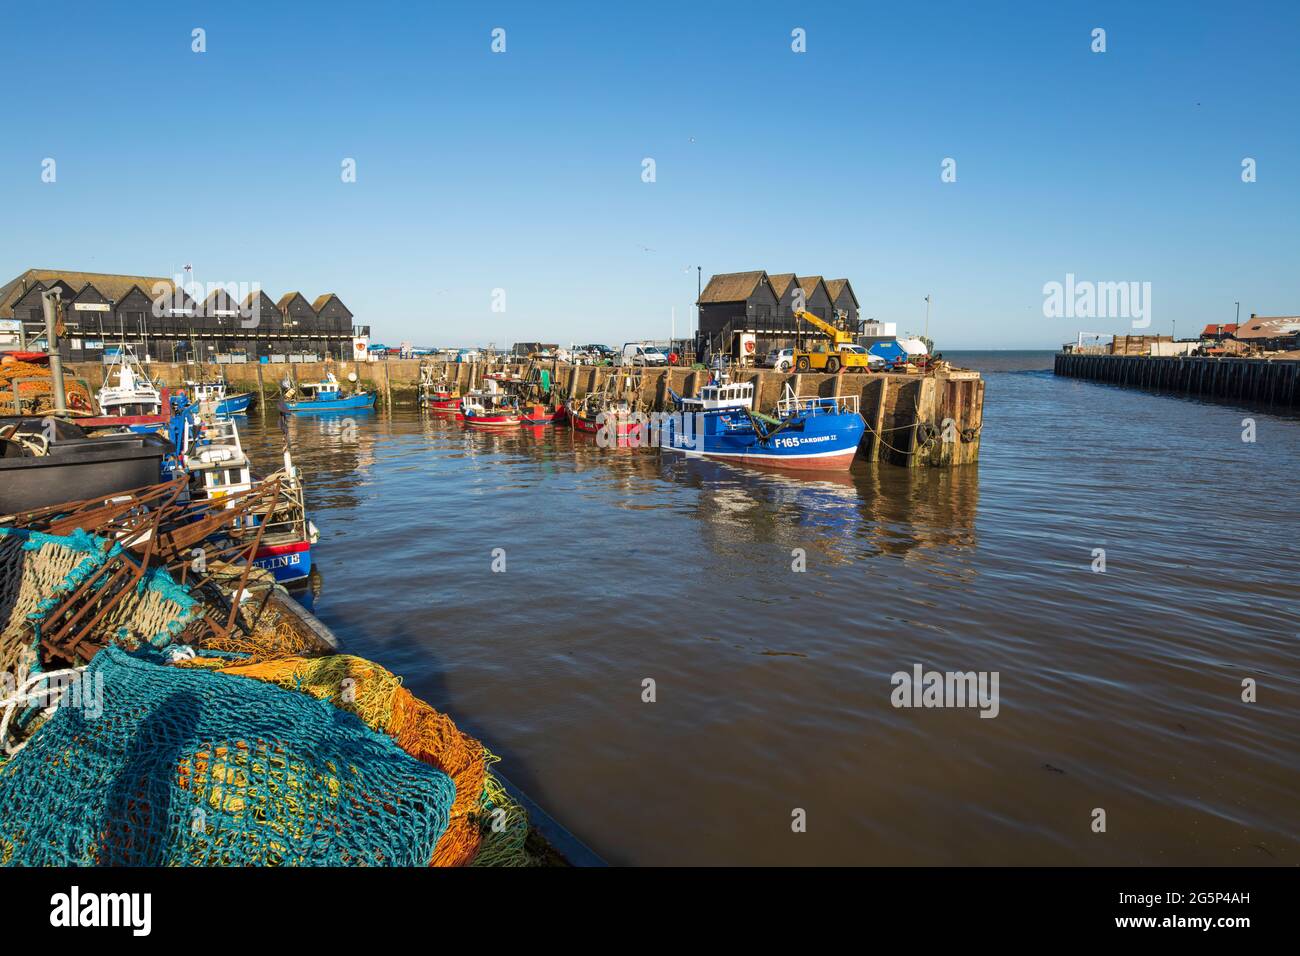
{"x": 912, "y": 413}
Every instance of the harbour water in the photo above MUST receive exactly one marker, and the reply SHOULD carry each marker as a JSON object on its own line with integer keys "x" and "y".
{"x": 1119, "y": 690}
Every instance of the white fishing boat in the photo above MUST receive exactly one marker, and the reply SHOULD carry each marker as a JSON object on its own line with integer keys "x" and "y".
{"x": 134, "y": 394}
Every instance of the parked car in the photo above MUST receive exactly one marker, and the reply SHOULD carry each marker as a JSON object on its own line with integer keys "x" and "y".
{"x": 593, "y": 354}
{"x": 874, "y": 361}
{"x": 780, "y": 359}
{"x": 634, "y": 353}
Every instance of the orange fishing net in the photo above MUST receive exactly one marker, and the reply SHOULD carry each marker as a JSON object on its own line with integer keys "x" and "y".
{"x": 271, "y": 639}
{"x": 378, "y": 698}
{"x": 35, "y": 386}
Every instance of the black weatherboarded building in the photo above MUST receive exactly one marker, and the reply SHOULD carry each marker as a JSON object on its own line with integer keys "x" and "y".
{"x": 757, "y": 303}
{"x": 163, "y": 321}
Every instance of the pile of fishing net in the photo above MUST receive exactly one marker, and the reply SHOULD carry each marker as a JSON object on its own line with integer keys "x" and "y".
{"x": 36, "y": 388}
{"x": 146, "y": 764}
{"x": 251, "y": 752}
{"x": 487, "y": 827}
{"x": 77, "y": 593}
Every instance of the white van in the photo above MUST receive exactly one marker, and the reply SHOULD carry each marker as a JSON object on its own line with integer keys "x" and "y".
{"x": 634, "y": 353}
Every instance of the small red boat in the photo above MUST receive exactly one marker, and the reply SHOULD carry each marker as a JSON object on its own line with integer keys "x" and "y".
{"x": 539, "y": 415}
{"x": 489, "y": 408}
{"x": 438, "y": 394}
{"x": 594, "y": 417}
{"x": 443, "y": 401}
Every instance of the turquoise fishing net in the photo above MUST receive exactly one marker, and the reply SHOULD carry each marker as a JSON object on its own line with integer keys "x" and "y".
{"x": 150, "y": 765}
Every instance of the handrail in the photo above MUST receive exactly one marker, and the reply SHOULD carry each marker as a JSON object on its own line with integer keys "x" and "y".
{"x": 839, "y": 404}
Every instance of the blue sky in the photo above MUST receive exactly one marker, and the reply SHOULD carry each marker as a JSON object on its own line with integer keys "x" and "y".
{"x": 523, "y": 170}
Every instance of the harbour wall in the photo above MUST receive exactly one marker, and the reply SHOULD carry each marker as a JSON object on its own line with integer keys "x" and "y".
{"x": 1263, "y": 381}
{"x": 912, "y": 419}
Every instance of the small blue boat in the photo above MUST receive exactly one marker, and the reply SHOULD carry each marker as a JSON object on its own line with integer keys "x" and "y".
{"x": 325, "y": 396}
{"x": 222, "y": 403}
{"x": 235, "y": 404}
{"x": 817, "y": 433}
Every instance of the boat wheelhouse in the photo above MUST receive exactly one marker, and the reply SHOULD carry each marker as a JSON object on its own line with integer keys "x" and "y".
{"x": 217, "y": 461}
{"x": 719, "y": 395}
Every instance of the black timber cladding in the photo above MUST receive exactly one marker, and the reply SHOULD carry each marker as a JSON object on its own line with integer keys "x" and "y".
{"x": 764, "y": 304}
{"x": 164, "y": 322}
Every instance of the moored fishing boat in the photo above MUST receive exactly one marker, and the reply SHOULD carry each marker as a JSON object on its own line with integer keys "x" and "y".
{"x": 597, "y": 414}
{"x": 808, "y": 433}
{"x": 489, "y": 407}
{"x": 223, "y": 403}
{"x": 437, "y": 394}
{"x": 323, "y": 396}
{"x": 538, "y": 415}
{"x": 134, "y": 403}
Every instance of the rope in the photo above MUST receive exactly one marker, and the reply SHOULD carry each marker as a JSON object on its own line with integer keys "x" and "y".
{"x": 26, "y": 696}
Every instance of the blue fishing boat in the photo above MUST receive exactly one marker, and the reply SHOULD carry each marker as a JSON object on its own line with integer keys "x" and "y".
{"x": 808, "y": 433}
{"x": 235, "y": 404}
{"x": 223, "y": 403}
{"x": 324, "y": 396}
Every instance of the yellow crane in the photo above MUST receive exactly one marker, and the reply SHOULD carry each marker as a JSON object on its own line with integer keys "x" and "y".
{"x": 836, "y": 350}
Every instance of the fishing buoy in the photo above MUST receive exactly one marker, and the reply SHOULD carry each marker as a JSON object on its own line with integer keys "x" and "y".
{"x": 352, "y": 376}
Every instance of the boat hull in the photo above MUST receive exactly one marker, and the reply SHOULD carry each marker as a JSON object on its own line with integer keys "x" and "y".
{"x": 290, "y": 561}
{"x": 539, "y": 416}
{"x": 140, "y": 424}
{"x": 821, "y": 442}
{"x": 235, "y": 404}
{"x": 489, "y": 421}
{"x": 366, "y": 400}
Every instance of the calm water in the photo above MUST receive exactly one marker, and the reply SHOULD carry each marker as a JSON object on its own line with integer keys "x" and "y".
{"x": 1118, "y": 690}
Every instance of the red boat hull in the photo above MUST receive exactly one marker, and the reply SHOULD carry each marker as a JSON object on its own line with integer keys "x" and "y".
{"x": 539, "y": 415}
{"x": 113, "y": 421}
{"x": 488, "y": 421}
{"x": 624, "y": 431}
